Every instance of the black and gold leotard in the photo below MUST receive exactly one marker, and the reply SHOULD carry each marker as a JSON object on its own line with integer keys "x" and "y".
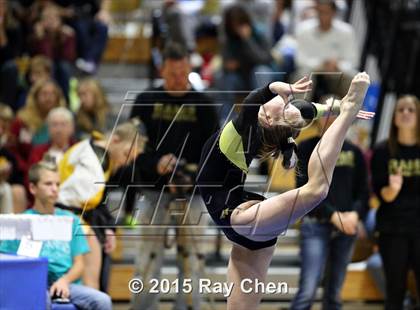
{"x": 224, "y": 163}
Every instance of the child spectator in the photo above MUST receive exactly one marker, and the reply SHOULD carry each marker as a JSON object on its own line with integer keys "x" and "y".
{"x": 65, "y": 258}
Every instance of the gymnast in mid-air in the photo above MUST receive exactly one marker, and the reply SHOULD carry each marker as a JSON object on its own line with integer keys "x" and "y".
{"x": 267, "y": 126}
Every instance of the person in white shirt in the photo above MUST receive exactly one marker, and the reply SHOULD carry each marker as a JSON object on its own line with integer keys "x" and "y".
{"x": 326, "y": 47}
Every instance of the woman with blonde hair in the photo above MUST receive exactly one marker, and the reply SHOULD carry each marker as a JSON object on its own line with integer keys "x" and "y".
{"x": 94, "y": 108}
{"x": 84, "y": 170}
{"x": 29, "y": 127}
{"x": 395, "y": 168}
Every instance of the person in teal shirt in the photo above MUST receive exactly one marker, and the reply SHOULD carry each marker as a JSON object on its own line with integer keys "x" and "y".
{"x": 65, "y": 258}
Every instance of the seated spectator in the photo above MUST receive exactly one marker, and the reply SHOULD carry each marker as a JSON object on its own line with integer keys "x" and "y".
{"x": 29, "y": 127}
{"x": 11, "y": 40}
{"x": 60, "y": 124}
{"x": 176, "y": 25}
{"x": 327, "y": 45}
{"x": 12, "y": 191}
{"x": 65, "y": 258}
{"x": 94, "y": 108}
{"x": 84, "y": 170}
{"x": 57, "y": 41}
{"x": 247, "y": 62}
{"x": 40, "y": 69}
{"x": 90, "y": 20}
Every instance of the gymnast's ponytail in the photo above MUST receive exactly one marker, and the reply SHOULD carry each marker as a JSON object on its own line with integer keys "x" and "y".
{"x": 280, "y": 140}
{"x": 289, "y": 154}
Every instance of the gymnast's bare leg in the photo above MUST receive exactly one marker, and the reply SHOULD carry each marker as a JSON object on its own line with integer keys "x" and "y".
{"x": 262, "y": 221}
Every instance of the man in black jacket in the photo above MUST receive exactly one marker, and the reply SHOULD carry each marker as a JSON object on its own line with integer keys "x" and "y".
{"x": 328, "y": 232}
{"x": 178, "y": 120}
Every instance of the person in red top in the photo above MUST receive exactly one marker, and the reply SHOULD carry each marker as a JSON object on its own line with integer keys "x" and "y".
{"x": 29, "y": 128}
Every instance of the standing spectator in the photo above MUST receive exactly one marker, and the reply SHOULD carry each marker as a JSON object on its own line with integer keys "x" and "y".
{"x": 247, "y": 61}
{"x": 396, "y": 182}
{"x": 61, "y": 132}
{"x": 328, "y": 45}
{"x": 11, "y": 42}
{"x": 329, "y": 231}
{"x": 178, "y": 120}
{"x": 65, "y": 258}
{"x": 56, "y": 41}
{"x": 94, "y": 107}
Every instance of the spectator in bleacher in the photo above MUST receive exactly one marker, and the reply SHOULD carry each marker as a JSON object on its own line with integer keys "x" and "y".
{"x": 327, "y": 46}
{"x": 56, "y": 41}
{"x": 178, "y": 120}
{"x": 84, "y": 170}
{"x": 396, "y": 182}
{"x": 261, "y": 13}
{"x": 90, "y": 20}
{"x": 280, "y": 19}
{"x": 60, "y": 124}
{"x": 247, "y": 61}
{"x": 9, "y": 174}
{"x": 94, "y": 108}
{"x": 40, "y": 68}
{"x": 29, "y": 127}
{"x": 283, "y": 43}
{"x": 329, "y": 231}
{"x": 177, "y": 25}
{"x": 65, "y": 258}
{"x": 11, "y": 43}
